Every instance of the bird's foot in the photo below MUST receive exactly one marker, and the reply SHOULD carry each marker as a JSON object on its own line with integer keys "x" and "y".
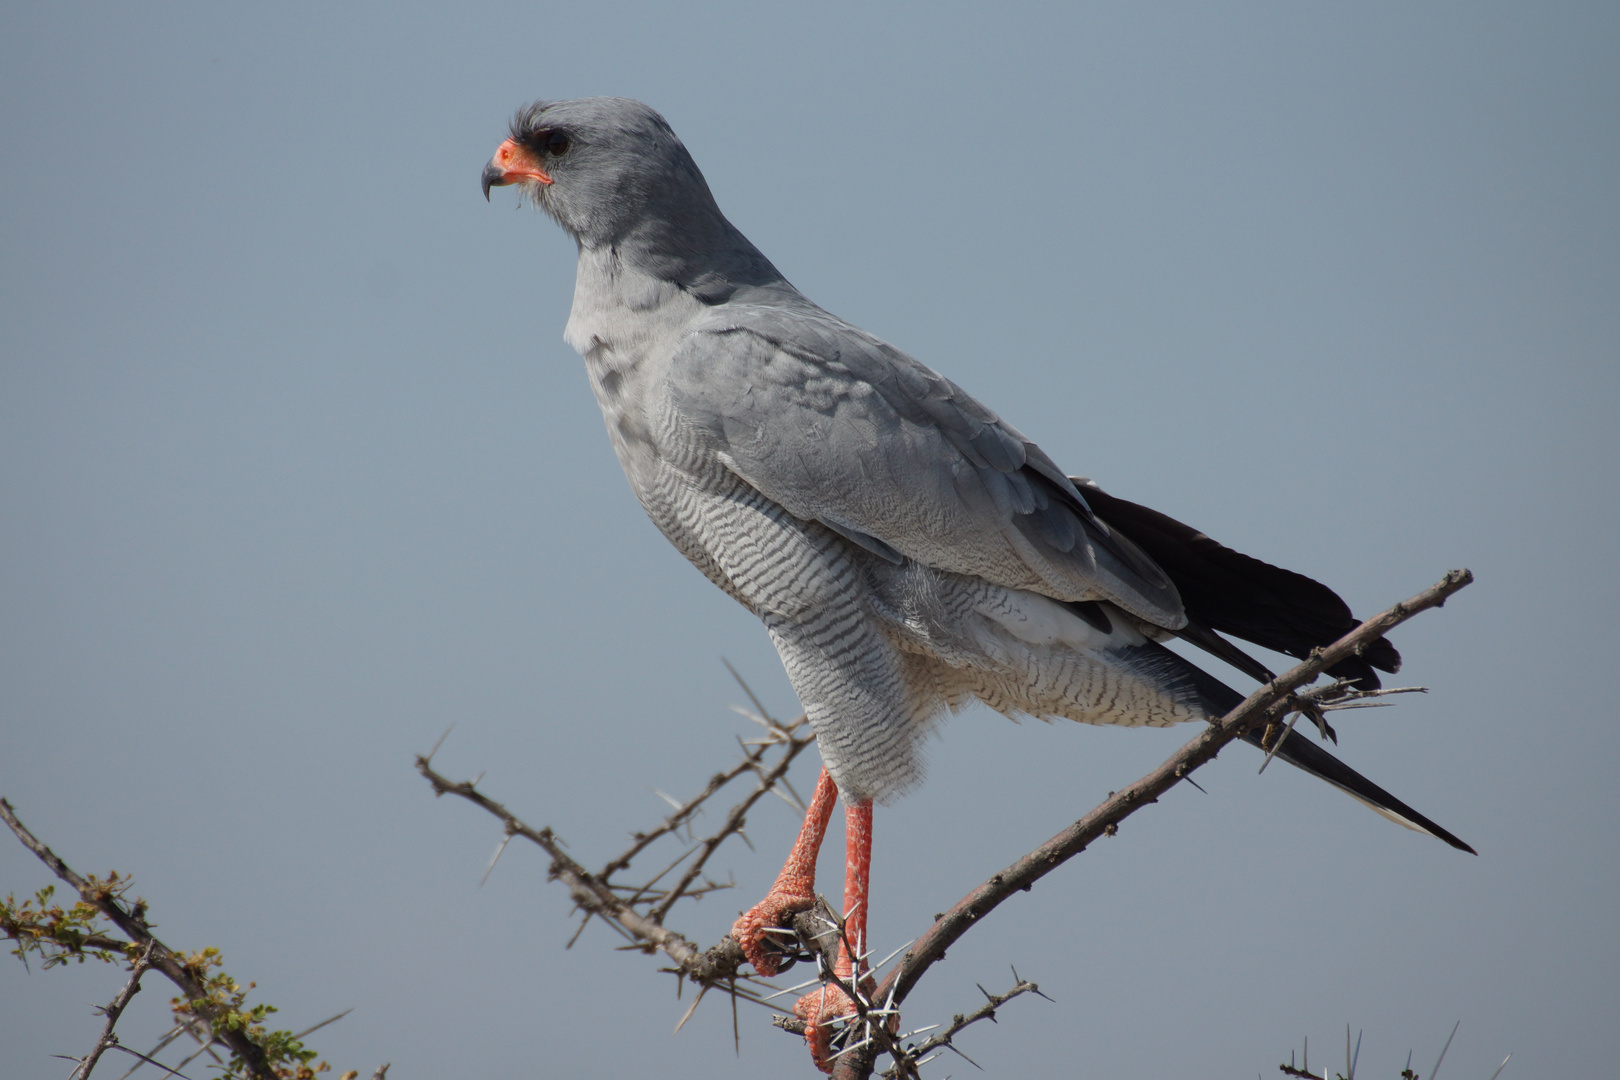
{"x": 765, "y": 933}
{"x": 830, "y": 1024}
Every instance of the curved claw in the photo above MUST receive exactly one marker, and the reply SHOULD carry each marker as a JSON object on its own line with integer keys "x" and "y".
{"x": 752, "y": 928}
{"x": 823, "y": 1010}
{"x": 820, "y": 1010}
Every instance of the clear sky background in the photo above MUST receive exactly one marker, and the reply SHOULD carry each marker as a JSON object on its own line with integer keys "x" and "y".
{"x": 296, "y": 471}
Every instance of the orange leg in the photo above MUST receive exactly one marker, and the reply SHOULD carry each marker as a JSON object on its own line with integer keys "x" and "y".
{"x": 795, "y": 891}
{"x": 820, "y": 1008}
{"x": 795, "y": 888}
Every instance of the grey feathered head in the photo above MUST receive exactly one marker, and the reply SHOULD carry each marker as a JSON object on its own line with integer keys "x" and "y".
{"x": 612, "y": 172}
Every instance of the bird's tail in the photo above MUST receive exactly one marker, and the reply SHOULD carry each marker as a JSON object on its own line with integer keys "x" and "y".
{"x": 1216, "y": 699}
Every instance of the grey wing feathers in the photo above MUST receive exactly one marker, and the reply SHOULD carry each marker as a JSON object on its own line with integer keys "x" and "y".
{"x": 837, "y": 426}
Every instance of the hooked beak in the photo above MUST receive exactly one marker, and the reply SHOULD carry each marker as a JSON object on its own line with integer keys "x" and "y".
{"x": 512, "y": 164}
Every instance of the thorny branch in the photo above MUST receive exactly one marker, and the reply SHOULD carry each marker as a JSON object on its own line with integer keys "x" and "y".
{"x": 923, "y": 1052}
{"x": 908, "y": 1059}
{"x": 640, "y": 915}
{"x": 113, "y": 1012}
{"x": 132, "y": 921}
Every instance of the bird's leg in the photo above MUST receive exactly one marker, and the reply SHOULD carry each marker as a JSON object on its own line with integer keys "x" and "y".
{"x": 819, "y": 1009}
{"x": 795, "y": 888}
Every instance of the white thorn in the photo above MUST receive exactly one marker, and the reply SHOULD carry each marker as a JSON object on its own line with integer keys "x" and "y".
{"x": 493, "y": 859}
{"x": 896, "y": 952}
{"x": 792, "y": 989}
{"x": 749, "y": 714}
{"x": 1278, "y": 746}
{"x": 864, "y": 1042}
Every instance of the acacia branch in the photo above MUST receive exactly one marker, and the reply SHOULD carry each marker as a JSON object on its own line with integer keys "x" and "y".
{"x": 163, "y": 958}
{"x": 638, "y": 912}
{"x": 1263, "y": 707}
{"x": 733, "y": 824}
{"x": 920, "y": 1054}
{"x": 588, "y": 890}
{"x": 113, "y": 1012}
{"x": 683, "y": 814}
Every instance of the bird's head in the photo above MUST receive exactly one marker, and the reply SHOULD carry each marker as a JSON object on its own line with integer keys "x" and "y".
{"x": 600, "y": 166}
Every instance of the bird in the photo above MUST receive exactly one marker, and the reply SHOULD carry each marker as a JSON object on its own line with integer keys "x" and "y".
{"x": 909, "y": 552}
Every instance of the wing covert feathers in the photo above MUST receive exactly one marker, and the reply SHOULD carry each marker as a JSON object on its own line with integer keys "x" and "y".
{"x": 838, "y": 427}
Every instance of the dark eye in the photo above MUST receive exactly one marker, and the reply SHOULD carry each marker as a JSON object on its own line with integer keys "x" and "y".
{"x": 556, "y": 144}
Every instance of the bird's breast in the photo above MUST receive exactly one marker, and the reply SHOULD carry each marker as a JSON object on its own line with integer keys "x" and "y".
{"x": 627, "y": 325}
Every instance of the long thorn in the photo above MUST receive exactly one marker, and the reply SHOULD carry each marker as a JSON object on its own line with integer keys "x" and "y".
{"x": 440, "y": 743}
{"x": 1292, "y": 720}
{"x": 792, "y": 989}
{"x": 692, "y": 1009}
{"x": 1436, "y": 1070}
{"x": 763, "y": 711}
{"x": 896, "y": 952}
{"x": 323, "y": 1023}
{"x": 493, "y": 859}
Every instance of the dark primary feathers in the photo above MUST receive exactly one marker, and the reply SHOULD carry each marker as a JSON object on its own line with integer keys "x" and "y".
{"x": 1236, "y": 594}
{"x": 1297, "y": 749}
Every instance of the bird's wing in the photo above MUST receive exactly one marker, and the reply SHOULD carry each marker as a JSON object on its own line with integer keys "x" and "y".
{"x": 839, "y": 427}
{"x": 1236, "y": 594}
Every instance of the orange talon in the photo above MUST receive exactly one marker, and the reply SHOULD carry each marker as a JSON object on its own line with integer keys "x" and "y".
{"x": 795, "y": 888}
{"x": 821, "y": 1010}
{"x": 794, "y": 892}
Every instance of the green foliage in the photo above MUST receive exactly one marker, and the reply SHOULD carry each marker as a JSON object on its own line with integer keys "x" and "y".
{"x": 57, "y": 935}
{"x": 224, "y": 1006}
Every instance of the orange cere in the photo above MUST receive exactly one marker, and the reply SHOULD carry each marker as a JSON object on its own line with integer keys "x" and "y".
{"x": 517, "y": 164}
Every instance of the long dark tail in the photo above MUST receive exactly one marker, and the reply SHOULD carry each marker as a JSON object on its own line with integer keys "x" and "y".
{"x": 1217, "y": 699}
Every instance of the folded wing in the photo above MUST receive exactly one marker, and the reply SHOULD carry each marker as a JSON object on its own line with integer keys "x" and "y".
{"x": 838, "y": 427}
{"x": 1229, "y": 592}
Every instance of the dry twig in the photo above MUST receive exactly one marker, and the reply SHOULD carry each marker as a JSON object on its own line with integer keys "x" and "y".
{"x": 638, "y": 911}
{"x": 113, "y": 1012}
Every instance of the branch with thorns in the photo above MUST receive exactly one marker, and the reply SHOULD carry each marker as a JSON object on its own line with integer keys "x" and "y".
{"x": 1263, "y": 709}
{"x": 638, "y": 913}
{"x": 131, "y": 919}
{"x": 109, "y": 1037}
{"x": 1353, "y": 1055}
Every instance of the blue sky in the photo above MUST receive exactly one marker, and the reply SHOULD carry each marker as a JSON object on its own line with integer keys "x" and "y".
{"x": 296, "y": 471}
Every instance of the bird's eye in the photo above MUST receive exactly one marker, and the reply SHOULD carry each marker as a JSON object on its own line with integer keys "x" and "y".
{"x": 557, "y": 144}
